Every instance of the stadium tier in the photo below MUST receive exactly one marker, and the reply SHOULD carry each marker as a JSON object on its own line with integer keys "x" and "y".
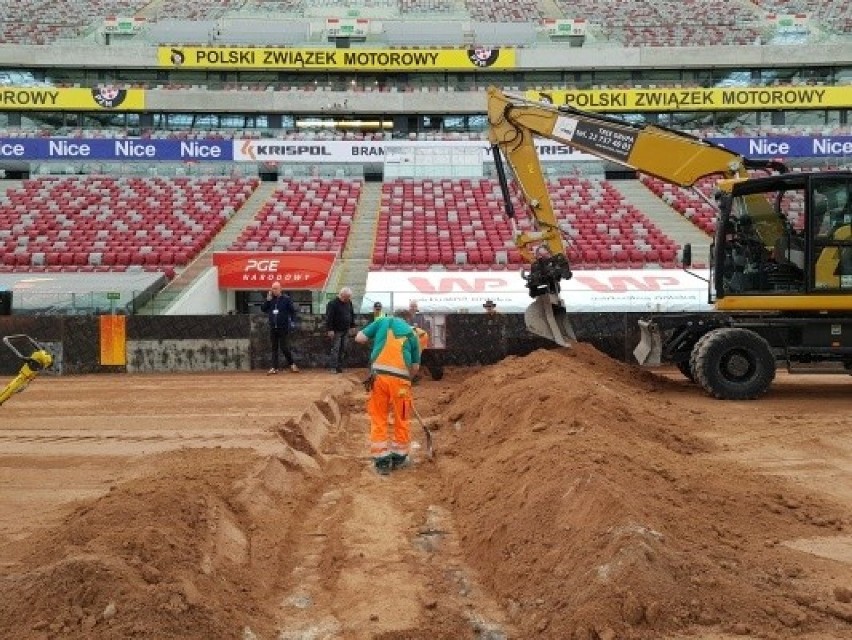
{"x": 461, "y": 224}
{"x": 663, "y": 24}
{"x": 628, "y": 23}
{"x": 101, "y": 223}
{"x": 312, "y": 215}
{"x": 505, "y": 10}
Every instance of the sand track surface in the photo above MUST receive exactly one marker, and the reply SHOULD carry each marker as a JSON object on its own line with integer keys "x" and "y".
{"x": 571, "y": 497}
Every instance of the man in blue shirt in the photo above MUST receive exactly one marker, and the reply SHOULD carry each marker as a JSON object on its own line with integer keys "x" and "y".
{"x": 281, "y": 311}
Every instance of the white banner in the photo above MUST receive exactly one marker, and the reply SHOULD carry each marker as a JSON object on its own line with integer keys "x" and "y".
{"x": 653, "y": 290}
{"x": 345, "y": 152}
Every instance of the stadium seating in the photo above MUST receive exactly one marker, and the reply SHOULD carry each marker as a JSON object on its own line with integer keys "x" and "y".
{"x": 101, "y": 223}
{"x": 461, "y": 224}
{"x": 43, "y": 21}
{"x": 197, "y": 9}
{"x": 835, "y": 15}
{"x": 429, "y": 136}
{"x": 701, "y": 212}
{"x": 660, "y": 23}
{"x": 505, "y": 10}
{"x": 686, "y": 201}
{"x": 426, "y": 6}
{"x": 630, "y": 22}
{"x": 312, "y": 215}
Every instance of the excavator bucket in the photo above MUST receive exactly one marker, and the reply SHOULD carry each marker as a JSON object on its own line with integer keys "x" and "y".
{"x": 547, "y": 317}
{"x": 649, "y": 351}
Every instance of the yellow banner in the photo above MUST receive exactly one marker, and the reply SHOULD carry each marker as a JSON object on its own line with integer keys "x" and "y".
{"x": 67, "y": 99}
{"x": 281, "y": 58}
{"x": 716, "y": 99}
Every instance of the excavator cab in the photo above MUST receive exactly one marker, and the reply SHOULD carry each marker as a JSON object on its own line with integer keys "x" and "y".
{"x": 783, "y": 243}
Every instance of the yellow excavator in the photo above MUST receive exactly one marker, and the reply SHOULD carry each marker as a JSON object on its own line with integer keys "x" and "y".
{"x": 34, "y": 362}
{"x": 781, "y": 292}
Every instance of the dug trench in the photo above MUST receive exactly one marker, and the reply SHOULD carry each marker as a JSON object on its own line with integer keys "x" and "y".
{"x": 291, "y": 539}
{"x": 571, "y": 497}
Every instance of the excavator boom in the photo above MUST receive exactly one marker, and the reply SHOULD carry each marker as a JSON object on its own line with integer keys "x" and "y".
{"x": 514, "y": 122}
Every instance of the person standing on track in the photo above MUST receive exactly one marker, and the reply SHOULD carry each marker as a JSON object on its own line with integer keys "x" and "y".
{"x": 281, "y": 311}
{"x": 339, "y": 323}
{"x": 394, "y": 361}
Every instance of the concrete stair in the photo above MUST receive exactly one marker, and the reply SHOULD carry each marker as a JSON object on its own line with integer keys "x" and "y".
{"x": 669, "y": 221}
{"x": 351, "y": 270}
{"x": 551, "y": 9}
{"x": 230, "y": 232}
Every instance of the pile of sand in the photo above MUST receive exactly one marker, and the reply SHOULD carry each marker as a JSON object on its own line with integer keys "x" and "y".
{"x": 185, "y": 551}
{"x": 591, "y": 512}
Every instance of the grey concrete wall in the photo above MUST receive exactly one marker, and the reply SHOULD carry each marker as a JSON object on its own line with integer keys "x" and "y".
{"x": 152, "y": 356}
{"x": 240, "y": 343}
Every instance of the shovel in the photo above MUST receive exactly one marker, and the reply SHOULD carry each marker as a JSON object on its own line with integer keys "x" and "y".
{"x": 430, "y": 451}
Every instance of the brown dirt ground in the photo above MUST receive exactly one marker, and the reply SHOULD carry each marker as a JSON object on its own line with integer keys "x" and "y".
{"x": 572, "y": 497}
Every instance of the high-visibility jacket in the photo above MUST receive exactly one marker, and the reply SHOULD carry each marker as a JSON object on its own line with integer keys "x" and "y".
{"x": 395, "y": 347}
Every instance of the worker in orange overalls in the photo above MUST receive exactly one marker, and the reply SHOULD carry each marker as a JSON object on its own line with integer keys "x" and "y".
{"x": 394, "y": 361}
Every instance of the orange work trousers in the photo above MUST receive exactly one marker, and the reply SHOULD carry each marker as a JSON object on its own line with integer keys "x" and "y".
{"x": 389, "y": 394}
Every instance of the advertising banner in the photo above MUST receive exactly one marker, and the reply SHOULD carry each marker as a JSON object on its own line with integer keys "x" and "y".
{"x": 328, "y": 59}
{"x": 614, "y": 145}
{"x": 714, "y": 99}
{"x": 115, "y": 149}
{"x": 657, "y": 290}
{"x": 789, "y": 146}
{"x": 337, "y": 152}
{"x": 259, "y": 269}
{"x": 71, "y": 99}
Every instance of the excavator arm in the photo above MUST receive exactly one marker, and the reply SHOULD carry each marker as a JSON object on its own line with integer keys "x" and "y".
{"x": 37, "y": 360}
{"x": 513, "y": 124}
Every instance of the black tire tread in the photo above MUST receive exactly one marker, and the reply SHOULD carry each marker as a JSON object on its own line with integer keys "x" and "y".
{"x": 708, "y": 350}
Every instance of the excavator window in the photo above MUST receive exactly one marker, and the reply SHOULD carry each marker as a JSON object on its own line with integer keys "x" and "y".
{"x": 831, "y": 229}
{"x": 764, "y": 255}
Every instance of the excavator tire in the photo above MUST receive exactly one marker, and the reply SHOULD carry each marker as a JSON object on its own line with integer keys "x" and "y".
{"x": 693, "y": 356}
{"x": 685, "y": 367}
{"x": 733, "y": 364}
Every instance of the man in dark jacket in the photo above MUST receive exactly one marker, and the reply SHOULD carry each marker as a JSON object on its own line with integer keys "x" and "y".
{"x": 339, "y": 323}
{"x": 281, "y": 311}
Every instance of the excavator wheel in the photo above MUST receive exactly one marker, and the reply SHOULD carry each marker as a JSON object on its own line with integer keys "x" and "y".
{"x": 733, "y": 364}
